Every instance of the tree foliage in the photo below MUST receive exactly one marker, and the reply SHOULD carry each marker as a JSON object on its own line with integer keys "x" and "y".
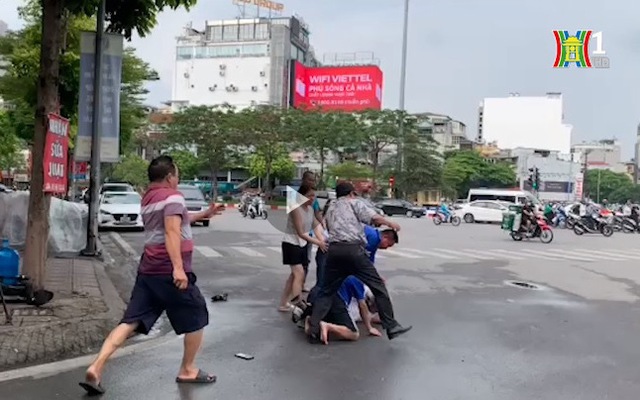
{"x": 605, "y": 184}
{"x": 282, "y": 167}
{"x": 132, "y": 169}
{"x": 380, "y": 131}
{"x": 467, "y": 169}
{"x": 18, "y": 85}
{"x": 10, "y": 145}
{"x": 210, "y": 132}
{"x": 189, "y": 164}
{"x": 350, "y": 170}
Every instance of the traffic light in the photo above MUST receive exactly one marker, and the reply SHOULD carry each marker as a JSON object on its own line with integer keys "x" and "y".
{"x": 392, "y": 181}
{"x": 536, "y": 178}
{"x": 530, "y": 179}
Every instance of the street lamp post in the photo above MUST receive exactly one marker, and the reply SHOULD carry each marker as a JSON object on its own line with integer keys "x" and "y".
{"x": 403, "y": 84}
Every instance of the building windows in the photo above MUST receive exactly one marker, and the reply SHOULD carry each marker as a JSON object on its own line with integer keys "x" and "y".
{"x": 216, "y": 33}
{"x": 247, "y": 32}
{"x": 247, "y": 50}
{"x": 184, "y": 53}
{"x": 262, "y": 31}
{"x": 230, "y": 33}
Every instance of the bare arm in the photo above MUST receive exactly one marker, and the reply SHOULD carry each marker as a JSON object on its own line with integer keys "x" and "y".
{"x": 173, "y": 237}
{"x": 214, "y": 209}
{"x": 297, "y": 223}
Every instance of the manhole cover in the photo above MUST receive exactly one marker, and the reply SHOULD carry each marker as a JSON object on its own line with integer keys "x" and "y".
{"x": 524, "y": 285}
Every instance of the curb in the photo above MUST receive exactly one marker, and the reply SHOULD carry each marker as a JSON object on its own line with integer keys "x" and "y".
{"x": 57, "y": 367}
{"x": 123, "y": 246}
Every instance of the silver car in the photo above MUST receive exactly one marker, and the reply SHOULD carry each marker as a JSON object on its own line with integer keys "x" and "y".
{"x": 195, "y": 200}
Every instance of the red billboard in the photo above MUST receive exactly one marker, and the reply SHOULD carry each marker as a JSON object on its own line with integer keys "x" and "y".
{"x": 352, "y": 88}
{"x": 56, "y": 149}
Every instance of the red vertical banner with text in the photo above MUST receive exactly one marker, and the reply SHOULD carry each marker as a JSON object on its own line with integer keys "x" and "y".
{"x": 55, "y": 158}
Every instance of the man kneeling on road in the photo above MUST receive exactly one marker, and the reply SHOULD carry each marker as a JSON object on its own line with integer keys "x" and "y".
{"x": 165, "y": 280}
{"x": 339, "y": 322}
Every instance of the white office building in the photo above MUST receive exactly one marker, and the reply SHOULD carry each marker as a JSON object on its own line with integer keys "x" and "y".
{"x": 535, "y": 122}
{"x": 240, "y": 62}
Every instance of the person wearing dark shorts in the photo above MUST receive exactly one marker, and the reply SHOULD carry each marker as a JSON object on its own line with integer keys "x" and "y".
{"x": 337, "y": 323}
{"x": 165, "y": 281}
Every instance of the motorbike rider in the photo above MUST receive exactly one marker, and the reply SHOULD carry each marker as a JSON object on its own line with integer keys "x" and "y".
{"x": 592, "y": 213}
{"x": 635, "y": 213}
{"x": 444, "y": 210}
{"x": 528, "y": 217}
{"x": 548, "y": 212}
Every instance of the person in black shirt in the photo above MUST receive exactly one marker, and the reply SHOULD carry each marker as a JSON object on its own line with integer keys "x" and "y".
{"x": 528, "y": 217}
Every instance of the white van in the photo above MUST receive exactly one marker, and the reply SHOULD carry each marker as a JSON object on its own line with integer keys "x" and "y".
{"x": 512, "y": 196}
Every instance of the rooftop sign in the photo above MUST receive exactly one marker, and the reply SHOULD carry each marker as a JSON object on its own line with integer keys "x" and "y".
{"x": 268, "y": 4}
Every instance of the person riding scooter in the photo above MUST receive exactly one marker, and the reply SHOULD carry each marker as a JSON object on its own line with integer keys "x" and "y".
{"x": 444, "y": 210}
{"x": 529, "y": 219}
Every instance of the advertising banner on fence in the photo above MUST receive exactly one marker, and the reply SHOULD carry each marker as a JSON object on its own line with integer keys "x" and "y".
{"x": 350, "y": 88}
{"x": 56, "y": 149}
{"x": 111, "y": 80}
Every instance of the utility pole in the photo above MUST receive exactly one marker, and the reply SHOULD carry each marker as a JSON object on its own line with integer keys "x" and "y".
{"x": 91, "y": 249}
{"x": 584, "y": 174}
{"x": 403, "y": 84}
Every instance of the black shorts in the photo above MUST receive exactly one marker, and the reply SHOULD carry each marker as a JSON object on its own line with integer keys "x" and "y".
{"x": 154, "y": 294}
{"x": 295, "y": 255}
{"x": 339, "y": 314}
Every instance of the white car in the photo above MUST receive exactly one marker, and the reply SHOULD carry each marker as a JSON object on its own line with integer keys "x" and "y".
{"x": 482, "y": 211}
{"x": 120, "y": 210}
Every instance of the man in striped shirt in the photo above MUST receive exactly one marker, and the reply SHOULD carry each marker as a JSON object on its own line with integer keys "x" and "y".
{"x": 165, "y": 281}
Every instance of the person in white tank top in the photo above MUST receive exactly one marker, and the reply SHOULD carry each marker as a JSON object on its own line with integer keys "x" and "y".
{"x": 294, "y": 250}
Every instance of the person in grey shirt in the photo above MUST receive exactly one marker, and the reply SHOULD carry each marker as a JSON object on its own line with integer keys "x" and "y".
{"x": 347, "y": 255}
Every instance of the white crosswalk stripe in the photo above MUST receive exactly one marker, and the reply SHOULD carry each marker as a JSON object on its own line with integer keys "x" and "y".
{"x": 207, "y": 251}
{"x": 248, "y": 252}
{"x": 547, "y": 253}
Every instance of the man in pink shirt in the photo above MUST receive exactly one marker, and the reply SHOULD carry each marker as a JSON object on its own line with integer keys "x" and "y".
{"x": 165, "y": 281}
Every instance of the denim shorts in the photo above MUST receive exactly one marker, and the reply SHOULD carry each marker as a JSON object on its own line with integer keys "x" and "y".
{"x": 154, "y": 294}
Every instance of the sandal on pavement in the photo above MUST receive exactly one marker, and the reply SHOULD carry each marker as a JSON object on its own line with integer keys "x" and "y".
{"x": 202, "y": 377}
{"x": 92, "y": 388}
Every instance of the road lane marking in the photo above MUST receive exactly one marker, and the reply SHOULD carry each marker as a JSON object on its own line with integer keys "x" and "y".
{"x": 607, "y": 256}
{"x": 508, "y": 254}
{"x": 276, "y": 249}
{"x": 458, "y": 253}
{"x": 248, "y": 252}
{"x": 568, "y": 255}
{"x": 399, "y": 254}
{"x": 431, "y": 254}
{"x": 540, "y": 254}
{"x": 207, "y": 251}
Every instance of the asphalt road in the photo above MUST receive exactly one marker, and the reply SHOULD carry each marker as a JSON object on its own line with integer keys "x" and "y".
{"x": 474, "y": 337}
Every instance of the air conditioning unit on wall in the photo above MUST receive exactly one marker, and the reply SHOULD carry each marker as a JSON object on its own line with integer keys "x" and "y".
{"x": 223, "y": 66}
{"x": 254, "y": 88}
{"x": 262, "y": 73}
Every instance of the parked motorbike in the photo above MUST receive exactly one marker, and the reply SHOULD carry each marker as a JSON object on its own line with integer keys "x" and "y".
{"x": 629, "y": 225}
{"x": 571, "y": 220}
{"x": 440, "y": 218}
{"x": 601, "y": 226}
{"x": 257, "y": 209}
{"x": 542, "y": 230}
{"x": 559, "y": 220}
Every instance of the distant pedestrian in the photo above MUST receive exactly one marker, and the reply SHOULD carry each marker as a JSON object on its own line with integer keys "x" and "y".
{"x": 165, "y": 280}
{"x": 347, "y": 255}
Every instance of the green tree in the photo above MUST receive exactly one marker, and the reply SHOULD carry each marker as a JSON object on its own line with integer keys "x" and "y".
{"x": 133, "y": 169}
{"x": 422, "y": 165}
{"x": 188, "y": 163}
{"x": 18, "y": 85}
{"x": 464, "y": 170}
{"x": 10, "y": 145}
{"x": 282, "y": 167}
{"x": 123, "y": 17}
{"x": 321, "y": 133}
{"x": 602, "y": 184}
{"x": 263, "y": 129}
{"x": 350, "y": 170}
{"x": 211, "y": 132}
{"x": 380, "y": 131}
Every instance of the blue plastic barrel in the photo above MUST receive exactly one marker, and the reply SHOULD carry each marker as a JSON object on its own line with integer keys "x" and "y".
{"x": 9, "y": 264}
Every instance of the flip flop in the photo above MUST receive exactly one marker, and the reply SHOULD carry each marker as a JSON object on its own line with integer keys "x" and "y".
{"x": 92, "y": 388}
{"x": 202, "y": 377}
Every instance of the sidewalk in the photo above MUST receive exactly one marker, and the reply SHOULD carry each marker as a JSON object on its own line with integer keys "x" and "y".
{"x": 85, "y": 307}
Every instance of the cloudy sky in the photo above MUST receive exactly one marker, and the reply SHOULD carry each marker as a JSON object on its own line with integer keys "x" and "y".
{"x": 460, "y": 51}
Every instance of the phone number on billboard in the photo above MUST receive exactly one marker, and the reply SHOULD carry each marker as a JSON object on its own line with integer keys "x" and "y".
{"x": 340, "y": 102}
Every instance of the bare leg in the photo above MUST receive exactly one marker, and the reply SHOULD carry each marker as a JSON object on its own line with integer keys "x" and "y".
{"x": 286, "y": 294}
{"x": 192, "y": 343}
{"x": 114, "y": 341}
{"x": 375, "y": 319}
{"x": 297, "y": 271}
{"x": 339, "y": 331}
